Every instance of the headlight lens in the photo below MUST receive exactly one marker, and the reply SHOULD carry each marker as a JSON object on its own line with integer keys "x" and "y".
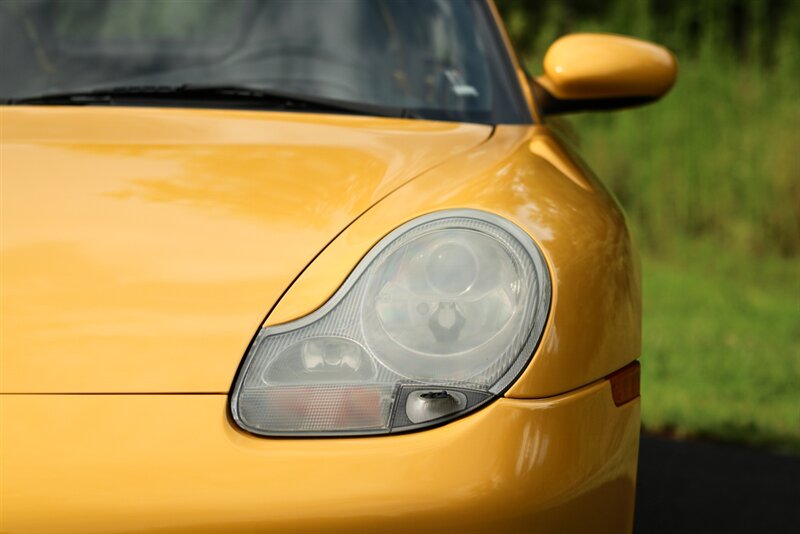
{"x": 436, "y": 320}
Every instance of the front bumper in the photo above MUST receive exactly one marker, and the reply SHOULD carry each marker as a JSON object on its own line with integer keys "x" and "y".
{"x": 174, "y": 463}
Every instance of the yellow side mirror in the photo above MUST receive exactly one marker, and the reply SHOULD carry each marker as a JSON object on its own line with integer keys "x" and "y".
{"x": 591, "y": 71}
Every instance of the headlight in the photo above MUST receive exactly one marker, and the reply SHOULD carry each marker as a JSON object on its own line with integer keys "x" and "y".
{"x": 438, "y": 319}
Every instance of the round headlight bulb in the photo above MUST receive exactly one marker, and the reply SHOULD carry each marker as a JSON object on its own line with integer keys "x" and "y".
{"x": 448, "y": 301}
{"x": 451, "y": 268}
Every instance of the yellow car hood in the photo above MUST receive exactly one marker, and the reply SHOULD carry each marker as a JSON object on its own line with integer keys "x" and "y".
{"x": 142, "y": 248}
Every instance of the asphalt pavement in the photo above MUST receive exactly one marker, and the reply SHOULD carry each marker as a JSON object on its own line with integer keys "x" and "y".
{"x": 689, "y": 486}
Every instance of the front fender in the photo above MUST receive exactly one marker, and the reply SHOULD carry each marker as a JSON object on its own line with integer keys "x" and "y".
{"x": 594, "y": 326}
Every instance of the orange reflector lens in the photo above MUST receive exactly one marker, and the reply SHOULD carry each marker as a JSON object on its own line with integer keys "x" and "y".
{"x": 625, "y": 384}
{"x": 309, "y": 408}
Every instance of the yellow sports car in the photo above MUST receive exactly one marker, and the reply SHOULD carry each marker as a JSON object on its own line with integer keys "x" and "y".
{"x": 311, "y": 266}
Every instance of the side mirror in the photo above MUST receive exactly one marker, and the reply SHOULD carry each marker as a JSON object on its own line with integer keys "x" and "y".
{"x": 592, "y": 71}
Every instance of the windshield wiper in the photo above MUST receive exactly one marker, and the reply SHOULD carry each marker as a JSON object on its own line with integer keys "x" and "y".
{"x": 210, "y": 96}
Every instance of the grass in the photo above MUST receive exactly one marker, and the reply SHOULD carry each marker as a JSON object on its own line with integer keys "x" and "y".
{"x": 710, "y": 180}
{"x": 716, "y": 159}
{"x": 721, "y": 356}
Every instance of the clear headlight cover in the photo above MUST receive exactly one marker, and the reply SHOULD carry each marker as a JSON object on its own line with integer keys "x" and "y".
{"x": 438, "y": 319}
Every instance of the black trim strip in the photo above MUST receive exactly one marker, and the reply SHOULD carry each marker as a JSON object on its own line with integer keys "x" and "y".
{"x": 549, "y": 104}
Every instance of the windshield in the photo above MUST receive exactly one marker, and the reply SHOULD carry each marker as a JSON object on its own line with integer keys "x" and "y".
{"x": 439, "y": 59}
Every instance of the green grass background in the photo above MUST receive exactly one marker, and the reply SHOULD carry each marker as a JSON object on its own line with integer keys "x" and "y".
{"x": 710, "y": 180}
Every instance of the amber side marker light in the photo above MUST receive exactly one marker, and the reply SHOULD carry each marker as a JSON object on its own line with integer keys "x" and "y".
{"x": 625, "y": 384}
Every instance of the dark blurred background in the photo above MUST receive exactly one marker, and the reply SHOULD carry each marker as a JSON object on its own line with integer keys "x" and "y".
{"x": 710, "y": 180}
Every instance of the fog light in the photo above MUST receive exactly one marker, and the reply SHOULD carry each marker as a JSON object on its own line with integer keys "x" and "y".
{"x": 320, "y": 359}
